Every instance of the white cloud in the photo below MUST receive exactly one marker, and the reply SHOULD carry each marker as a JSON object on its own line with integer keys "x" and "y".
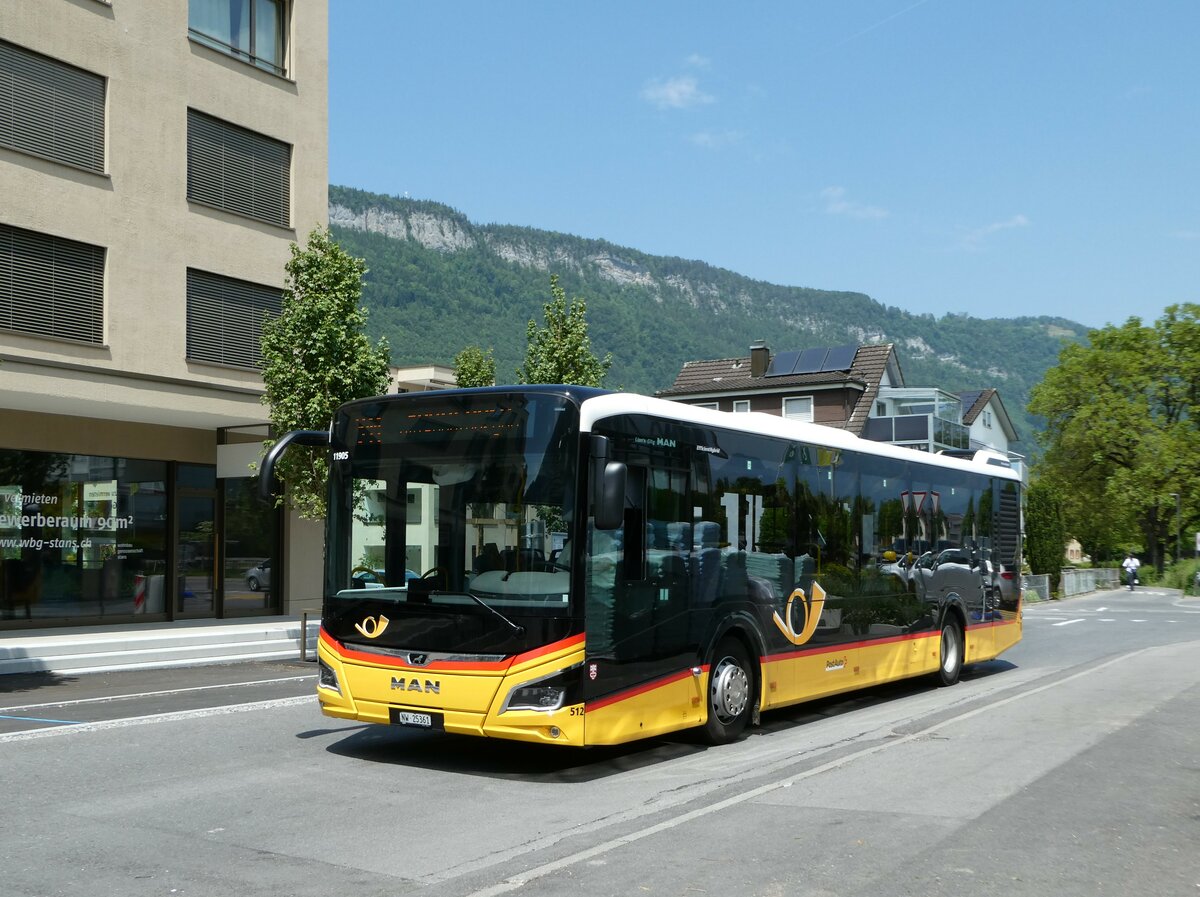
{"x": 675, "y": 93}
{"x": 716, "y": 139}
{"x": 697, "y": 61}
{"x": 837, "y": 204}
{"x": 975, "y": 238}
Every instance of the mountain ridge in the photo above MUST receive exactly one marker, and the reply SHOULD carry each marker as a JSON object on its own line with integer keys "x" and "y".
{"x": 452, "y": 282}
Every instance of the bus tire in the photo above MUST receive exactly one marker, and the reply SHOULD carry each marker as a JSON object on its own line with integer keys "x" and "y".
{"x": 730, "y": 692}
{"x": 951, "y": 648}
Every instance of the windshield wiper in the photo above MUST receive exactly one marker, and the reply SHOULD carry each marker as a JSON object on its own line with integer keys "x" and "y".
{"x": 517, "y": 629}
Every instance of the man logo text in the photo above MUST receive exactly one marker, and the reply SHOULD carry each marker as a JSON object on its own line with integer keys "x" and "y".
{"x": 431, "y": 686}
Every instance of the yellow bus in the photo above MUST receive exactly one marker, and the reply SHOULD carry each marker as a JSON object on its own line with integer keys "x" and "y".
{"x": 572, "y": 566}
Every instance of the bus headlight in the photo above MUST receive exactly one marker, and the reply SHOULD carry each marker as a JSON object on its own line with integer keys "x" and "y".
{"x": 546, "y": 694}
{"x": 326, "y": 677}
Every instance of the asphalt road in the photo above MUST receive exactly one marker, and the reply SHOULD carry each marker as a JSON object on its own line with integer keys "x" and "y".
{"x": 1071, "y": 766}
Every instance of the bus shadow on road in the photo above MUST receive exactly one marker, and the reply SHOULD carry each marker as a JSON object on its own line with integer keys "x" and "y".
{"x": 513, "y": 760}
{"x": 493, "y": 758}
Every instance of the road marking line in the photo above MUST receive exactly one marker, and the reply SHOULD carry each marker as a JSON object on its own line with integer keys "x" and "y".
{"x": 29, "y": 734}
{"x": 156, "y": 694}
{"x": 521, "y": 879}
{"x": 1069, "y": 622}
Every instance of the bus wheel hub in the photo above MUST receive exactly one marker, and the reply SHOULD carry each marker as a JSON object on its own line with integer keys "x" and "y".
{"x": 730, "y": 690}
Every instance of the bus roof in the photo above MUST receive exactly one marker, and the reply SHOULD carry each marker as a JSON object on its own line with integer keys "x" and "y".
{"x": 610, "y": 404}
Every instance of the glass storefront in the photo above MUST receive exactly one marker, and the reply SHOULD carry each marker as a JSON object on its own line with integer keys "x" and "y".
{"x": 85, "y": 539}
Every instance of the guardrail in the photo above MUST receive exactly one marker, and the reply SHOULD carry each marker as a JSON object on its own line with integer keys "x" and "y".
{"x": 1077, "y": 582}
{"x": 1036, "y": 585}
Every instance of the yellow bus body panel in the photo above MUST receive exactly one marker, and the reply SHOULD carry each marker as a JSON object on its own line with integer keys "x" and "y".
{"x": 469, "y": 697}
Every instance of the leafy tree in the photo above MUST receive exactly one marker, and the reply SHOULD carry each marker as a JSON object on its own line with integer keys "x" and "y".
{"x": 315, "y": 357}
{"x": 1122, "y": 432}
{"x": 561, "y": 352}
{"x": 475, "y": 367}
{"x": 1045, "y": 537}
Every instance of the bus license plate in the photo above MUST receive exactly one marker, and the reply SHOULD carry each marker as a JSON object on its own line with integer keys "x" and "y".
{"x": 415, "y": 719}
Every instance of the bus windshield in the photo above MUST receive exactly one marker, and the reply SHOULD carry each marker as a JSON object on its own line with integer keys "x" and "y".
{"x": 450, "y": 517}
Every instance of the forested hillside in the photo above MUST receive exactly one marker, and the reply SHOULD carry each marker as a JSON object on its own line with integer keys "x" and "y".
{"x": 438, "y": 283}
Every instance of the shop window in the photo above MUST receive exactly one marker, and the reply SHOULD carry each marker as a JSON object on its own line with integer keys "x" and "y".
{"x": 81, "y": 537}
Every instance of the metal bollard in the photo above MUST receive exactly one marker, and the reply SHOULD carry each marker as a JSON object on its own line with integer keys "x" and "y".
{"x": 304, "y": 635}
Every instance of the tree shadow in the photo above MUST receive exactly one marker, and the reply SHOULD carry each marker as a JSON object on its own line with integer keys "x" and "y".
{"x": 19, "y": 683}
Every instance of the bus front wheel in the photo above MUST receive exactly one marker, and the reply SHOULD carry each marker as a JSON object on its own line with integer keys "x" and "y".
{"x": 730, "y": 692}
{"x": 950, "y": 651}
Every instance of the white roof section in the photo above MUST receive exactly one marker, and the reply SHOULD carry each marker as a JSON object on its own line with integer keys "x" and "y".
{"x": 599, "y": 408}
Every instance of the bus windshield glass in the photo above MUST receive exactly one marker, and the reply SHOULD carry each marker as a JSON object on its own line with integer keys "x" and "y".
{"x": 450, "y": 516}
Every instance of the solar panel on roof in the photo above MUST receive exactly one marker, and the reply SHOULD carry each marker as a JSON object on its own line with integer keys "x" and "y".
{"x": 782, "y": 364}
{"x": 810, "y": 361}
{"x": 840, "y": 358}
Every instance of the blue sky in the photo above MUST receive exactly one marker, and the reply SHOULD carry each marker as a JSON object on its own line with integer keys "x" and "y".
{"x": 943, "y": 156}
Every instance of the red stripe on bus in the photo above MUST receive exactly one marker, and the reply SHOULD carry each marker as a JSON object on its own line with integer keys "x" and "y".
{"x": 652, "y": 685}
{"x": 460, "y": 666}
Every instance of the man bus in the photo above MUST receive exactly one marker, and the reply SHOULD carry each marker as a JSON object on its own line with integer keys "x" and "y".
{"x": 572, "y": 566}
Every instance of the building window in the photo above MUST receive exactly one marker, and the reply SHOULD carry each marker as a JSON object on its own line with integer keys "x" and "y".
{"x": 987, "y": 419}
{"x": 881, "y": 409}
{"x": 51, "y": 109}
{"x": 741, "y": 405}
{"x": 252, "y": 30}
{"x": 237, "y": 170}
{"x": 798, "y": 408}
{"x": 225, "y": 318}
{"x": 81, "y": 536}
{"x": 712, "y": 405}
{"x": 50, "y": 286}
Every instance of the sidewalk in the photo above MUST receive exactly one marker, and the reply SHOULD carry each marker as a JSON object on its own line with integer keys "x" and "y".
{"x": 96, "y": 649}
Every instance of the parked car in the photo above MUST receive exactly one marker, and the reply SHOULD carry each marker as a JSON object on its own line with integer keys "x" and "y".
{"x": 259, "y": 576}
{"x": 364, "y": 578}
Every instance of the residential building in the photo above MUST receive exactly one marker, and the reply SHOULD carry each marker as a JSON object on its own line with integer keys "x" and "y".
{"x": 856, "y": 388}
{"x": 157, "y": 160}
{"x": 835, "y": 387}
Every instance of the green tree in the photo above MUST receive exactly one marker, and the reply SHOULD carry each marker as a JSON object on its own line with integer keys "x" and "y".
{"x": 1045, "y": 537}
{"x": 474, "y": 367}
{"x": 1122, "y": 435}
{"x": 561, "y": 352}
{"x": 316, "y": 356}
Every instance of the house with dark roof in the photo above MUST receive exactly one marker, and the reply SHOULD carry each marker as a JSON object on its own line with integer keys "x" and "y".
{"x": 855, "y": 388}
{"x": 835, "y": 387}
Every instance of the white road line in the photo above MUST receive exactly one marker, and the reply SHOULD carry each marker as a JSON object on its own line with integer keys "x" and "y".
{"x": 523, "y": 878}
{"x": 155, "y": 694}
{"x": 30, "y": 734}
{"x": 1069, "y": 622}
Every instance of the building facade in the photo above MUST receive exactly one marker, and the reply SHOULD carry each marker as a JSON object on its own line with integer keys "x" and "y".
{"x": 157, "y": 160}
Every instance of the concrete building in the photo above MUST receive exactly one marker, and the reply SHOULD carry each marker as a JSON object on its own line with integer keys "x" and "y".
{"x": 156, "y": 162}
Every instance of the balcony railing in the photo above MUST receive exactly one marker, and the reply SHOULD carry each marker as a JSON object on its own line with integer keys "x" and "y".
{"x": 924, "y": 431}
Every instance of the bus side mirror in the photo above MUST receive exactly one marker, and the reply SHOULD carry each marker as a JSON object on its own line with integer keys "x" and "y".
{"x": 608, "y": 486}
{"x": 610, "y": 498}
{"x": 266, "y": 471}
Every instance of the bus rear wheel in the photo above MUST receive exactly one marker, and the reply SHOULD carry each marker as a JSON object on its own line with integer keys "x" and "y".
{"x": 950, "y": 651}
{"x": 730, "y": 692}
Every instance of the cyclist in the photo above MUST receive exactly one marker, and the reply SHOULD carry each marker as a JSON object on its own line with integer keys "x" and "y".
{"x": 1130, "y": 566}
